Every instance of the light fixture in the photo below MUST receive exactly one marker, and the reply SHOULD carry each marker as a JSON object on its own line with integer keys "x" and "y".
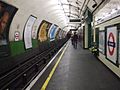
{"x": 78, "y": 3}
{"x": 94, "y": 5}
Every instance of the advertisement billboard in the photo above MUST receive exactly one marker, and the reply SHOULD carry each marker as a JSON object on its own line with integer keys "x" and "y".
{"x": 43, "y": 31}
{"x": 7, "y": 13}
{"x": 52, "y": 32}
{"x": 28, "y": 32}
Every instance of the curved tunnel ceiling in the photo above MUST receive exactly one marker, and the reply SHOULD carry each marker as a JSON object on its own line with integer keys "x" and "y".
{"x": 110, "y": 8}
{"x": 57, "y": 11}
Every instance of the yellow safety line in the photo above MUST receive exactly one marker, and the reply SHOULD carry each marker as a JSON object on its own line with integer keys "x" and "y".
{"x": 52, "y": 72}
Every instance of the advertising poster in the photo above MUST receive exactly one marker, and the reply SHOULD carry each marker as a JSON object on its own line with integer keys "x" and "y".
{"x": 43, "y": 31}
{"x": 34, "y": 32}
{"x": 7, "y": 13}
{"x": 64, "y": 34}
{"x": 119, "y": 48}
{"x": 112, "y": 43}
{"x": 60, "y": 34}
{"x": 57, "y": 34}
{"x": 35, "y": 29}
{"x": 52, "y": 32}
{"x": 28, "y": 32}
{"x": 102, "y": 42}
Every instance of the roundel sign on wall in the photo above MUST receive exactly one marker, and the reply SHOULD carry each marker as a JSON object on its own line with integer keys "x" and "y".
{"x": 17, "y": 36}
{"x": 111, "y": 43}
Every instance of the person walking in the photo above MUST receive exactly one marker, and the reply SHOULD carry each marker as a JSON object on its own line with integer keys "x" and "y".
{"x": 75, "y": 39}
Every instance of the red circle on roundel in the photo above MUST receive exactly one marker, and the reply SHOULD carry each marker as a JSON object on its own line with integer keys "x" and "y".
{"x": 113, "y": 48}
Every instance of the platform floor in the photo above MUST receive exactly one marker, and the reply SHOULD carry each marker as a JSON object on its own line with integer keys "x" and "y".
{"x": 80, "y": 70}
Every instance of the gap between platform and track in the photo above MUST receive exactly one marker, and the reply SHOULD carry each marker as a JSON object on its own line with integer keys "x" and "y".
{"x": 41, "y": 73}
{"x": 53, "y": 70}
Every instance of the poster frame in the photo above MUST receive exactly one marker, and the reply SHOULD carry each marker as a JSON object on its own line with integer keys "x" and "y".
{"x": 5, "y": 42}
{"x": 117, "y": 39}
{"x": 47, "y": 30}
{"x": 31, "y": 31}
{"x": 52, "y": 32}
{"x": 102, "y": 52}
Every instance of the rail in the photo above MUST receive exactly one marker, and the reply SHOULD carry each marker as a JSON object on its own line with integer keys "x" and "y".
{"x": 19, "y": 77}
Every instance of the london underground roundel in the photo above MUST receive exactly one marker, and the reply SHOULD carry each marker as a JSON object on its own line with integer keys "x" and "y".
{"x": 111, "y": 43}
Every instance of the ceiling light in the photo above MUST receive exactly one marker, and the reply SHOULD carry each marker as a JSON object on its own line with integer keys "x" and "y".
{"x": 94, "y": 5}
